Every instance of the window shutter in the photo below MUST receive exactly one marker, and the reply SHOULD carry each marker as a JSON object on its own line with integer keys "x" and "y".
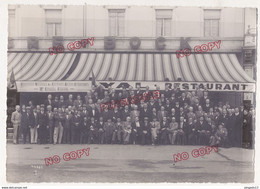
{"x": 167, "y": 27}
{"x": 50, "y": 30}
{"x": 121, "y": 25}
{"x": 207, "y": 28}
{"x": 112, "y": 25}
{"x": 215, "y": 28}
{"x": 159, "y": 27}
{"x": 58, "y": 29}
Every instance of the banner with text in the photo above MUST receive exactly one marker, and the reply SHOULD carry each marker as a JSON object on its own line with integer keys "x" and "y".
{"x": 84, "y": 86}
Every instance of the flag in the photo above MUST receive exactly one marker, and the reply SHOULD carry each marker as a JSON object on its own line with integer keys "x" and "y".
{"x": 12, "y": 83}
{"x": 93, "y": 79}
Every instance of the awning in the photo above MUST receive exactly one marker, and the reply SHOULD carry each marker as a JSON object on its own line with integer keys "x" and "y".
{"x": 127, "y": 67}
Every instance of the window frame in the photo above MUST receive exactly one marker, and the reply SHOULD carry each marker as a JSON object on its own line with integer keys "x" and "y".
{"x": 54, "y": 24}
{"x": 211, "y": 22}
{"x": 117, "y": 26}
{"x": 163, "y": 34}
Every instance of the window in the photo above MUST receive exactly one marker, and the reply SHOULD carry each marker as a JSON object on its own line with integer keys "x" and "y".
{"x": 163, "y": 22}
{"x": 11, "y": 22}
{"x": 53, "y": 22}
{"x": 116, "y": 22}
{"x": 211, "y": 23}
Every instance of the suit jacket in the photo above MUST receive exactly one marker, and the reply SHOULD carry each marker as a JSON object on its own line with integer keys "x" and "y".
{"x": 42, "y": 120}
{"x": 47, "y": 103}
{"x": 164, "y": 126}
{"x": 144, "y": 113}
{"x": 124, "y": 115}
{"x": 16, "y": 118}
{"x": 62, "y": 103}
{"x": 84, "y": 127}
{"x": 68, "y": 120}
{"x": 106, "y": 115}
{"x": 100, "y": 125}
{"x": 78, "y": 103}
{"x": 26, "y": 120}
{"x": 55, "y": 104}
{"x": 145, "y": 127}
{"x": 138, "y": 129}
{"x": 77, "y": 121}
{"x": 49, "y": 119}
{"x": 203, "y": 126}
{"x": 109, "y": 128}
{"x": 161, "y": 114}
{"x": 116, "y": 115}
{"x": 69, "y": 103}
{"x": 133, "y": 114}
{"x": 34, "y": 120}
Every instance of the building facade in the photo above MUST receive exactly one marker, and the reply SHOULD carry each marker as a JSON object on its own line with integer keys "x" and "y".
{"x": 133, "y": 44}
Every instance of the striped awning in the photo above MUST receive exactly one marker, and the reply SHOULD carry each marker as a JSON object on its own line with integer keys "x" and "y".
{"x": 210, "y": 67}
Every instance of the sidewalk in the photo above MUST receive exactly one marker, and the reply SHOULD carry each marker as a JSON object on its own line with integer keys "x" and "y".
{"x": 127, "y": 163}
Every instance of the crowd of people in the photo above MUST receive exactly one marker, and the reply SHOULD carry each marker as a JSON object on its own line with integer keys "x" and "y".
{"x": 171, "y": 117}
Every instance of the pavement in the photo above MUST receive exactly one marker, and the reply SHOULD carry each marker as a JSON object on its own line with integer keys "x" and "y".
{"x": 127, "y": 163}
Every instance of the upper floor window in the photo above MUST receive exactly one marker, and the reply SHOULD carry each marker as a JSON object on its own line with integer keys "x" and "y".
{"x": 163, "y": 22}
{"x": 116, "y": 22}
{"x": 211, "y": 23}
{"x": 53, "y": 22}
{"x": 11, "y": 22}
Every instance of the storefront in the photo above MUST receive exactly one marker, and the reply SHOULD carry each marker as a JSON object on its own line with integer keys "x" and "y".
{"x": 71, "y": 72}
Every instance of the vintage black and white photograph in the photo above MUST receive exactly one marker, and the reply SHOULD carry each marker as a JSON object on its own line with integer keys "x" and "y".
{"x": 130, "y": 94}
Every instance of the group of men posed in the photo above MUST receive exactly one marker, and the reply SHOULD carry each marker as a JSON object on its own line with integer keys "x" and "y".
{"x": 176, "y": 117}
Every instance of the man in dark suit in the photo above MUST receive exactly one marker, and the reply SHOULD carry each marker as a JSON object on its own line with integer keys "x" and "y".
{"x": 183, "y": 99}
{"x": 206, "y": 106}
{"x": 163, "y": 133}
{"x": 237, "y": 128}
{"x": 125, "y": 113}
{"x": 84, "y": 131}
{"x": 50, "y": 126}
{"x": 67, "y": 127}
{"x": 203, "y": 131}
{"x": 115, "y": 114}
{"x": 145, "y": 112}
{"x": 55, "y": 103}
{"x": 167, "y": 92}
{"x": 42, "y": 126}
{"x": 136, "y": 131}
{"x": 146, "y": 132}
{"x": 92, "y": 110}
{"x": 93, "y": 131}
{"x": 75, "y": 129}
{"x": 101, "y": 132}
{"x": 106, "y": 114}
{"x": 26, "y": 122}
